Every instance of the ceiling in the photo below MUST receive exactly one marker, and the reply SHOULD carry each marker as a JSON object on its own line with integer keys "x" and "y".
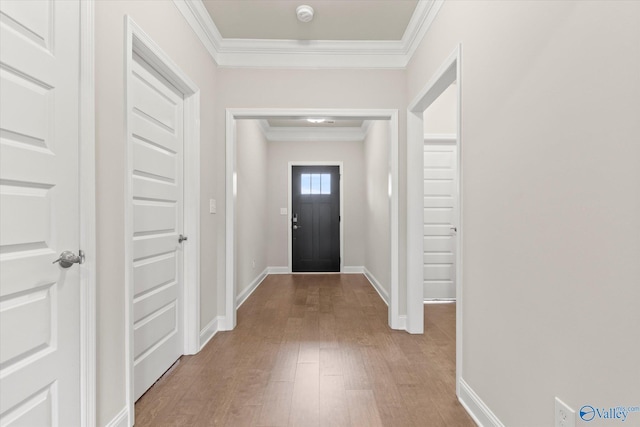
{"x": 343, "y": 34}
{"x": 333, "y": 19}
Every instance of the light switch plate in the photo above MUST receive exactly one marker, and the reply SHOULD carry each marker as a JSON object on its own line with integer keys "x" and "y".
{"x": 212, "y": 206}
{"x": 564, "y": 415}
{"x": 283, "y": 211}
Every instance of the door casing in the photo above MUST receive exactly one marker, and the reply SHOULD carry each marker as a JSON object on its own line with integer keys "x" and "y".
{"x": 138, "y": 42}
{"x": 289, "y": 207}
{"x": 232, "y": 115}
{"x": 449, "y": 71}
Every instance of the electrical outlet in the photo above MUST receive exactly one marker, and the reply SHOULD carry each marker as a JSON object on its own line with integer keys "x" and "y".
{"x": 565, "y": 416}
{"x": 212, "y": 206}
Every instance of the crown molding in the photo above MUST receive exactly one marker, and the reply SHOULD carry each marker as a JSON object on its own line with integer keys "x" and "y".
{"x": 392, "y": 54}
{"x": 366, "y": 127}
{"x": 423, "y": 17}
{"x": 313, "y": 134}
{"x": 196, "y": 15}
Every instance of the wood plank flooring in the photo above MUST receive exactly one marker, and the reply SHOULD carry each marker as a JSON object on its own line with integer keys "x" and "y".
{"x": 314, "y": 350}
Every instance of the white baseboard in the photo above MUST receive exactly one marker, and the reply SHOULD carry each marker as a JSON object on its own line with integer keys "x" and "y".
{"x": 477, "y": 409}
{"x": 377, "y": 286}
{"x": 121, "y": 419}
{"x": 349, "y": 269}
{"x": 240, "y": 299}
{"x": 402, "y": 323}
{"x": 210, "y": 330}
{"x": 222, "y": 324}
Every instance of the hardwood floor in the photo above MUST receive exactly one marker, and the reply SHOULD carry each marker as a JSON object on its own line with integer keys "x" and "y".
{"x": 314, "y": 350}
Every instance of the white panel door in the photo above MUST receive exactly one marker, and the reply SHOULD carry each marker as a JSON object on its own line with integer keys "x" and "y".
{"x": 156, "y": 144}
{"x": 39, "y": 213}
{"x": 440, "y": 200}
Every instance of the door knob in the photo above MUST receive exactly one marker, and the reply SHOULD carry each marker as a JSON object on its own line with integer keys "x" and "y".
{"x": 182, "y": 238}
{"x": 68, "y": 258}
{"x": 295, "y": 226}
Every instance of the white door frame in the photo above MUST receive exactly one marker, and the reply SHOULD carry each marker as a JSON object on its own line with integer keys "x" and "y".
{"x": 139, "y": 42}
{"x": 449, "y": 72}
{"x": 87, "y": 188}
{"x": 315, "y": 163}
{"x": 87, "y": 207}
{"x": 234, "y": 114}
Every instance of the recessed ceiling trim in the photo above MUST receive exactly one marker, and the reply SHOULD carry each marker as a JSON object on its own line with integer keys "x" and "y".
{"x": 311, "y": 134}
{"x": 352, "y": 47}
{"x": 309, "y": 54}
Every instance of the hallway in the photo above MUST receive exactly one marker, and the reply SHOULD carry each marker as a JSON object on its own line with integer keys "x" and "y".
{"x": 314, "y": 350}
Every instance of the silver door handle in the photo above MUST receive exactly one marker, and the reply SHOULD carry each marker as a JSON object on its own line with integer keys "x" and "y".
{"x": 454, "y": 229}
{"x": 182, "y": 238}
{"x": 68, "y": 258}
{"x": 295, "y": 227}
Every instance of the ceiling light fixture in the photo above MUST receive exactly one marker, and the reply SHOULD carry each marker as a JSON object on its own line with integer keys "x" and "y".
{"x": 304, "y": 13}
{"x": 316, "y": 120}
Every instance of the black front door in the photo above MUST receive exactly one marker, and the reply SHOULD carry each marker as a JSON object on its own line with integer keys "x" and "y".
{"x": 315, "y": 218}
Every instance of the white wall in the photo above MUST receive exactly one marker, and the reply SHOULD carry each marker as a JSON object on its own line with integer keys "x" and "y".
{"x": 551, "y": 161}
{"x": 251, "y": 204}
{"x": 165, "y": 25}
{"x": 377, "y": 236}
{"x": 351, "y": 154}
{"x": 440, "y": 116}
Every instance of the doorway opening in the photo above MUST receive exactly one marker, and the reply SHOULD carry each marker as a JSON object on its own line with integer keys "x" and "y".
{"x": 440, "y": 164}
{"x": 263, "y": 184}
{"x": 434, "y": 202}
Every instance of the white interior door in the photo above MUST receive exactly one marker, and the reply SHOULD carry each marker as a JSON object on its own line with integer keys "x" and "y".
{"x": 440, "y": 213}
{"x": 39, "y": 212}
{"x": 156, "y": 147}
